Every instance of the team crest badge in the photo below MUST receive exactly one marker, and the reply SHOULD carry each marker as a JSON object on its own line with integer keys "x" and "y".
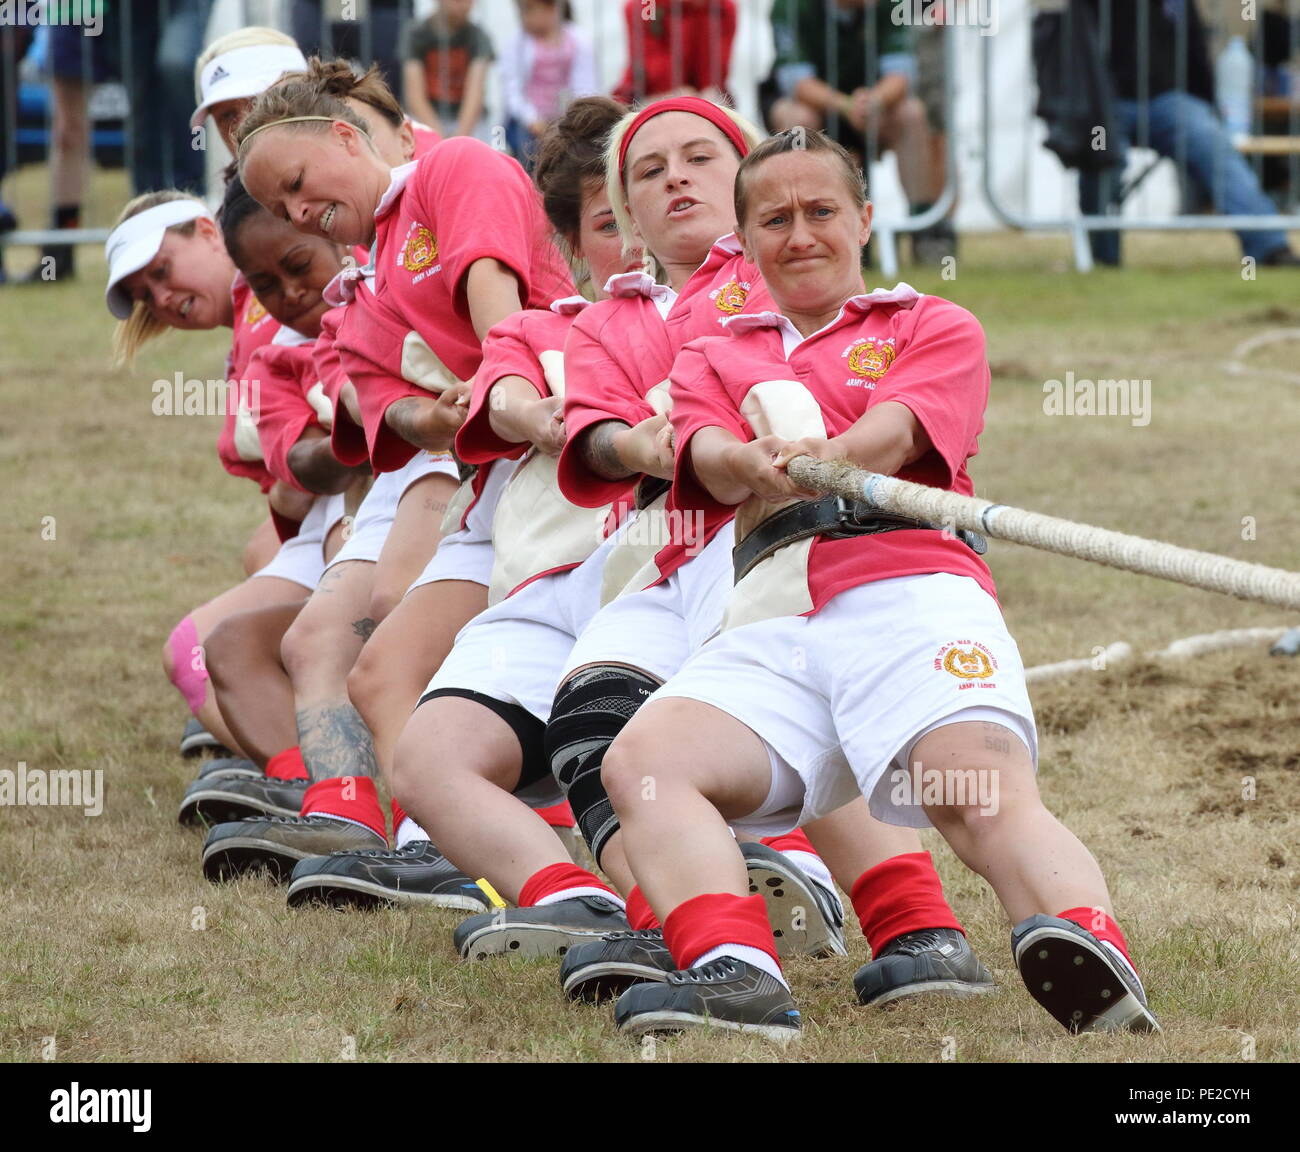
{"x": 254, "y": 312}
{"x": 966, "y": 661}
{"x": 730, "y": 298}
{"x": 421, "y": 249}
{"x": 871, "y": 358}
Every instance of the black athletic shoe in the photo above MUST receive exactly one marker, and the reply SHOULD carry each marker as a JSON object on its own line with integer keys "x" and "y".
{"x": 226, "y": 798}
{"x": 931, "y": 960}
{"x": 379, "y": 878}
{"x": 1078, "y": 979}
{"x": 548, "y": 930}
{"x": 607, "y": 967}
{"x": 276, "y": 844}
{"x": 228, "y": 766}
{"x": 196, "y": 740}
{"x": 724, "y": 993}
{"x": 807, "y": 918}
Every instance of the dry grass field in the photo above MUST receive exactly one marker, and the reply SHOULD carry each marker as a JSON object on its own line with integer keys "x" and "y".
{"x": 1183, "y": 777}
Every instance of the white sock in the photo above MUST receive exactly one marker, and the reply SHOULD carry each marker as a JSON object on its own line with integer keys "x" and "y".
{"x": 574, "y": 893}
{"x": 1122, "y": 959}
{"x": 408, "y": 831}
{"x": 814, "y": 867}
{"x": 754, "y": 957}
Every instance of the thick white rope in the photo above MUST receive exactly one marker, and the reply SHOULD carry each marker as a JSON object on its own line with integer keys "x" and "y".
{"x": 951, "y": 511}
{"x": 1118, "y": 653}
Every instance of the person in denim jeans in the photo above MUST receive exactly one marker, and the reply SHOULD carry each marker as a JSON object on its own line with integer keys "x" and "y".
{"x": 1173, "y": 114}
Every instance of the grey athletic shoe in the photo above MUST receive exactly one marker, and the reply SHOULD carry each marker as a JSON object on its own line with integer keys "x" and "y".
{"x": 226, "y": 798}
{"x": 228, "y": 766}
{"x": 379, "y": 878}
{"x": 276, "y": 844}
{"x": 931, "y": 960}
{"x": 1078, "y": 979}
{"x": 725, "y": 993}
{"x": 807, "y": 918}
{"x": 607, "y": 967}
{"x": 196, "y": 740}
{"x": 546, "y": 930}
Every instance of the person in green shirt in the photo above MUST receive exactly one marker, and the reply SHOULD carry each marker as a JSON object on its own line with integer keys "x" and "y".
{"x": 845, "y": 67}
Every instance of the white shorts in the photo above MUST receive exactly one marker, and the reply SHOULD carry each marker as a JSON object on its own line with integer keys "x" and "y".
{"x": 467, "y": 553}
{"x": 657, "y": 629}
{"x": 374, "y": 519}
{"x": 302, "y": 559}
{"x": 841, "y": 697}
{"x": 515, "y": 651}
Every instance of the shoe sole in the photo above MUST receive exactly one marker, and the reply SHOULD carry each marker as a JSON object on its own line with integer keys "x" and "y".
{"x": 1077, "y": 984}
{"x": 646, "y": 1023}
{"x": 526, "y": 940}
{"x": 253, "y": 773}
{"x": 598, "y": 982}
{"x": 195, "y": 746}
{"x": 784, "y": 893}
{"x": 962, "y": 989}
{"x": 240, "y": 855}
{"x": 213, "y": 806}
{"x": 348, "y": 892}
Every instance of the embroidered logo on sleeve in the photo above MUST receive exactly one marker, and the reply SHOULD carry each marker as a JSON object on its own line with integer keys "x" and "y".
{"x": 969, "y": 661}
{"x": 254, "y": 314}
{"x": 731, "y": 297}
{"x": 420, "y": 252}
{"x": 869, "y": 359}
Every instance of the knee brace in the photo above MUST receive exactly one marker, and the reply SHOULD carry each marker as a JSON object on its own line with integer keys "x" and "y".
{"x": 189, "y": 672}
{"x": 527, "y": 728}
{"x": 591, "y": 708}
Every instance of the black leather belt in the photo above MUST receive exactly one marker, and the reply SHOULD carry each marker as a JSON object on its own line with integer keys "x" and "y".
{"x": 835, "y": 518}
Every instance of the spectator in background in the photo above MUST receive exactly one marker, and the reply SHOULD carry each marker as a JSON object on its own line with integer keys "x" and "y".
{"x": 547, "y": 64}
{"x": 444, "y": 73}
{"x": 13, "y": 46}
{"x": 1151, "y": 111}
{"x": 371, "y": 34}
{"x": 844, "y": 66}
{"x": 677, "y": 47}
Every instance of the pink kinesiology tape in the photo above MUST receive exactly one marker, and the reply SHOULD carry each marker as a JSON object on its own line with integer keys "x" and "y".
{"x": 189, "y": 673}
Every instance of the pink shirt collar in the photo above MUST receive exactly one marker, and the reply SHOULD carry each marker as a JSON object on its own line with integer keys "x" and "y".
{"x": 904, "y": 295}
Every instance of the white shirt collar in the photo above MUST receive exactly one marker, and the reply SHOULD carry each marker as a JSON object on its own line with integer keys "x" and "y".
{"x": 641, "y": 284}
{"x": 397, "y": 181}
{"x": 901, "y": 294}
{"x": 288, "y": 337}
{"x": 570, "y": 305}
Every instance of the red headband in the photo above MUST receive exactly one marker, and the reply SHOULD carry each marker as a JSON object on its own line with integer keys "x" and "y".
{"x": 697, "y": 106}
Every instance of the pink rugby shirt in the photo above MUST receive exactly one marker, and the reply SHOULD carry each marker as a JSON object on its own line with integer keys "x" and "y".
{"x": 760, "y": 379}
{"x": 292, "y": 400}
{"x": 254, "y": 328}
{"x": 460, "y": 202}
{"x": 618, "y": 356}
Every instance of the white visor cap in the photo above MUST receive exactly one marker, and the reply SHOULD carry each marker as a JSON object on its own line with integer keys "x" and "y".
{"x": 243, "y": 73}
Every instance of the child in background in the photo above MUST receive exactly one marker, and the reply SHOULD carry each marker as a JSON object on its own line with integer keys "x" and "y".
{"x": 444, "y": 70}
{"x": 548, "y": 63}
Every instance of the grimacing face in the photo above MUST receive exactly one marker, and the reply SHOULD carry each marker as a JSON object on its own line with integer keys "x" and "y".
{"x": 678, "y": 175}
{"x": 287, "y": 270}
{"x": 187, "y": 284}
{"x": 805, "y": 231}
{"x": 324, "y": 179}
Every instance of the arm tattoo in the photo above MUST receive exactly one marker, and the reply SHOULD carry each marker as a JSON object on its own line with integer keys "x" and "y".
{"x": 364, "y": 628}
{"x": 404, "y": 417}
{"x": 599, "y": 454}
{"x": 335, "y": 742}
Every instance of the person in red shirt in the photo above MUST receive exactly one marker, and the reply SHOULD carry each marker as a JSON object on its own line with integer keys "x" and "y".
{"x": 459, "y": 243}
{"x": 683, "y": 48}
{"x": 907, "y": 687}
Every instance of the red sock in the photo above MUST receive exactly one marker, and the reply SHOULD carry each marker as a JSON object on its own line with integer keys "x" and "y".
{"x": 639, "y": 913}
{"x": 560, "y": 878}
{"x": 796, "y": 841}
{"x": 699, "y": 925}
{"x": 901, "y": 894}
{"x": 399, "y": 814}
{"x": 1096, "y": 921}
{"x": 558, "y": 815}
{"x": 287, "y": 765}
{"x": 351, "y": 797}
